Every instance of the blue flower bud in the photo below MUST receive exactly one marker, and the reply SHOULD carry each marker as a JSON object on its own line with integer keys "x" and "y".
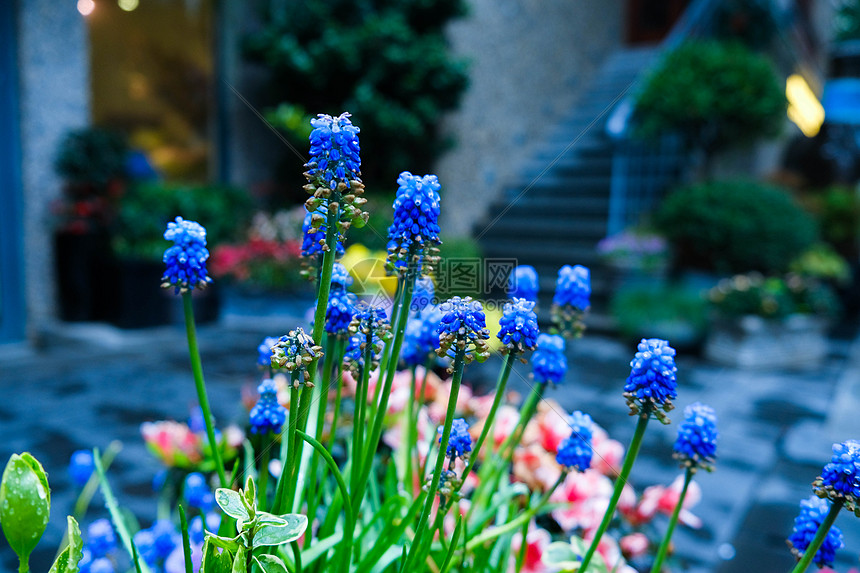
{"x": 549, "y": 364}
{"x": 264, "y": 351}
{"x": 421, "y": 337}
{"x": 571, "y": 300}
{"x": 186, "y": 259}
{"x": 100, "y": 538}
{"x": 81, "y": 467}
{"x": 340, "y": 311}
{"x": 334, "y": 150}
{"x": 414, "y": 234}
{"x": 197, "y": 492}
{"x": 524, "y": 283}
{"x": 574, "y": 453}
{"x": 460, "y": 441}
{"x": 518, "y": 327}
{"x": 813, "y": 511}
{"x": 840, "y": 479}
{"x": 423, "y": 294}
{"x": 652, "y": 385}
{"x": 463, "y": 326}
{"x": 696, "y": 445}
{"x": 267, "y": 415}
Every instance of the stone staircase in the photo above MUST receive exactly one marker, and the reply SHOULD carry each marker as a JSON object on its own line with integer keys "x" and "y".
{"x": 557, "y": 211}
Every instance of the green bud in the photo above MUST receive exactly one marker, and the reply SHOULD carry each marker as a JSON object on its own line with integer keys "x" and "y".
{"x": 25, "y": 503}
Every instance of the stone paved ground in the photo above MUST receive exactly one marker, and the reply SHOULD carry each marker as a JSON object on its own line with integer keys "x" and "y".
{"x": 88, "y": 384}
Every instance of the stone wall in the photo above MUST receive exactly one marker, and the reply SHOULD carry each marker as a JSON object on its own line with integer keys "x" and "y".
{"x": 53, "y": 56}
{"x": 529, "y": 61}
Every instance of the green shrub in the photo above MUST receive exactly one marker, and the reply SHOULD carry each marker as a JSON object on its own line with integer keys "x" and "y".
{"x": 734, "y": 227}
{"x": 772, "y": 297}
{"x": 386, "y": 61}
{"x": 671, "y": 312}
{"x": 147, "y": 208}
{"x": 91, "y": 155}
{"x": 717, "y": 94}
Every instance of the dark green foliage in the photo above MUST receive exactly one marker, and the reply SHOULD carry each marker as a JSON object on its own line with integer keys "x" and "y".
{"x": 847, "y": 21}
{"x": 773, "y": 297}
{"x": 148, "y": 207}
{"x": 717, "y": 94}
{"x": 384, "y": 61}
{"x": 671, "y": 312}
{"x": 735, "y": 226}
{"x": 91, "y": 155}
{"x": 837, "y": 210}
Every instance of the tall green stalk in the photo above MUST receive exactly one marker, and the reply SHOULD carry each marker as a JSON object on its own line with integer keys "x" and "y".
{"x": 664, "y": 545}
{"x": 421, "y": 530}
{"x": 200, "y": 384}
{"x": 820, "y": 535}
{"x": 629, "y": 459}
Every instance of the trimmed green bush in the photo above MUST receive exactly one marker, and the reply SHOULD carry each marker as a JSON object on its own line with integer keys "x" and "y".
{"x": 735, "y": 227}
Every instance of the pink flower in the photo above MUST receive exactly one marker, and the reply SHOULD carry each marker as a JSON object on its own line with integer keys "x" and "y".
{"x": 173, "y": 442}
{"x": 664, "y": 499}
{"x": 588, "y": 496}
{"x": 634, "y": 545}
{"x": 537, "y": 540}
{"x": 608, "y": 453}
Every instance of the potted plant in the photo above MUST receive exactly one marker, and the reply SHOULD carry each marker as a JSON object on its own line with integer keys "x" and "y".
{"x": 636, "y": 256}
{"x": 91, "y": 162}
{"x": 777, "y": 321}
{"x": 142, "y": 217}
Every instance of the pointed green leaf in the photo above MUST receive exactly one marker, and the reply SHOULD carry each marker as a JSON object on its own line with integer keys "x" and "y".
{"x": 276, "y": 534}
{"x": 270, "y": 564}
{"x": 250, "y": 499}
{"x": 231, "y": 544}
{"x": 240, "y": 564}
{"x": 231, "y": 503}
{"x": 265, "y": 517}
{"x": 216, "y": 559}
{"x": 67, "y": 561}
{"x": 25, "y": 503}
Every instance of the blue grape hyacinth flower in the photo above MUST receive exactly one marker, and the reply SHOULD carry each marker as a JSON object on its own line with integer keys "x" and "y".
{"x": 81, "y": 467}
{"x": 340, "y": 312}
{"x": 422, "y": 295}
{"x": 518, "y": 327}
{"x": 524, "y": 283}
{"x": 652, "y": 384}
{"x": 335, "y": 150}
{"x": 460, "y": 440}
{"x": 414, "y": 234}
{"x": 840, "y": 479}
{"x": 197, "y": 492}
{"x": 549, "y": 364}
{"x": 264, "y": 351}
{"x": 463, "y": 327}
{"x": 267, "y": 415}
{"x": 101, "y": 538}
{"x": 421, "y": 338}
{"x": 575, "y": 452}
{"x": 571, "y": 299}
{"x": 696, "y": 445}
{"x": 186, "y": 259}
{"x": 294, "y": 352}
{"x": 313, "y": 234}
{"x": 369, "y": 326}
{"x": 813, "y": 511}
{"x": 340, "y": 277}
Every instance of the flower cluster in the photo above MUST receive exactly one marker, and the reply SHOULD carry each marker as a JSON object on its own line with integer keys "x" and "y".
{"x": 524, "y": 283}
{"x": 340, "y": 277}
{"x": 840, "y": 479}
{"x": 178, "y": 445}
{"x": 463, "y": 328}
{"x": 101, "y": 540}
{"x": 264, "y": 351}
{"x": 261, "y": 263}
{"x": 369, "y": 326}
{"x": 574, "y": 453}
{"x": 338, "y": 315}
{"x": 294, "y": 352}
{"x": 197, "y": 492}
{"x": 186, "y": 259}
{"x": 421, "y": 337}
{"x": 333, "y": 171}
{"x": 812, "y": 513}
{"x": 267, "y": 415}
{"x": 460, "y": 440}
{"x": 549, "y": 364}
{"x": 423, "y": 294}
{"x": 413, "y": 237}
{"x": 518, "y": 327}
{"x": 571, "y": 299}
{"x": 652, "y": 383}
{"x": 314, "y": 234}
{"x": 696, "y": 445}
{"x": 81, "y": 467}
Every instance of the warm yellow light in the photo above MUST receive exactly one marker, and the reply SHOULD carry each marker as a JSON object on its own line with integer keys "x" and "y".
{"x": 804, "y": 109}
{"x": 86, "y": 7}
{"x": 128, "y": 5}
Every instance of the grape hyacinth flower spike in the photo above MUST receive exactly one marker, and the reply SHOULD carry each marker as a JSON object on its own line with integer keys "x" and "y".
{"x": 340, "y": 277}
{"x": 575, "y": 452}
{"x": 264, "y": 352}
{"x": 840, "y": 479}
{"x": 369, "y": 326}
{"x": 198, "y": 493}
{"x": 459, "y": 446}
{"x": 267, "y": 415}
{"x": 294, "y": 352}
{"x": 314, "y": 230}
{"x": 652, "y": 383}
{"x": 696, "y": 445}
{"x": 340, "y": 312}
{"x": 524, "y": 283}
{"x": 186, "y": 259}
{"x": 333, "y": 171}
{"x": 571, "y": 299}
{"x": 463, "y": 328}
{"x": 549, "y": 363}
{"x": 422, "y": 296}
{"x": 413, "y": 237}
{"x": 813, "y": 512}
{"x": 518, "y": 327}
{"x": 421, "y": 337}
{"x": 81, "y": 467}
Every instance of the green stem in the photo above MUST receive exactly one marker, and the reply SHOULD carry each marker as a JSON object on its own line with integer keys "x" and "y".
{"x": 186, "y": 544}
{"x": 421, "y": 529}
{"x": 197, "y": 369}
{"x": 358, "y": 429}
{"x": 339, "y": 350}
{"x": 382, "y": 406}
{"x": 349, "y": 526}
{"x": 263, "y": 480}
{"x": 820, "y": 535}
{"x": 497, "y": 400}
{"x": 632, "y": 452}
{"x": 297, "y": 556}
{"x": 409, "y": 433}
{"x": 283, "y": 494}
{"x": 512, "y": 525}
{"x": 24, "y": 564}
{"x": 664, "y": 545}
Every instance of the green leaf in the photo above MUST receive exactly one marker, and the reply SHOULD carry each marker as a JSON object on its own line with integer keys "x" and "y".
{"x": 560, "y": 555}
{"x": 67, "y": 561}
{"x": 276, "y": 534}
{"x": 216, "y": 558}
{"x": 231, "y": 503}
{"x": 231, "y": 544}
{"x": 250, "y": 496}
{"x": 25, "y": 503}
{"x": 240, "y": 561}
{"x": 266, "y": 517}
{"x": 270, "y": 564}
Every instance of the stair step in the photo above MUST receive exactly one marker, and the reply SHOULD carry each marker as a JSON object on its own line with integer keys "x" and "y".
{"x": 570, "y": 167}
{"x": 559, "y": 206}
{"x": 533, "y": 228}
{"x": 550, "y": 252}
